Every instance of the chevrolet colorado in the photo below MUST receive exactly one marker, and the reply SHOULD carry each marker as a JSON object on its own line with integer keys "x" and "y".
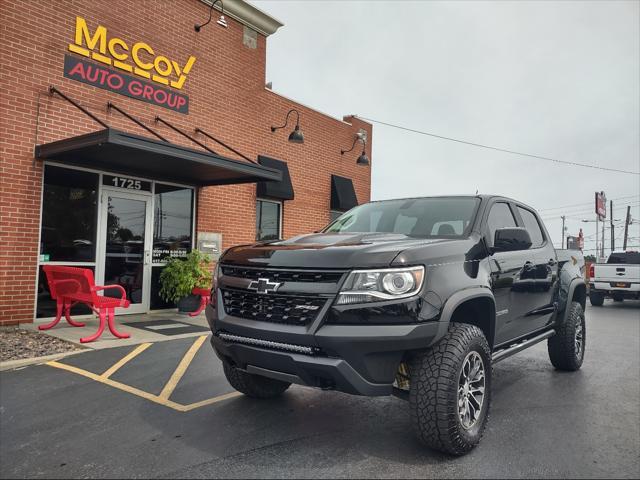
{"x": 415, "y": 297}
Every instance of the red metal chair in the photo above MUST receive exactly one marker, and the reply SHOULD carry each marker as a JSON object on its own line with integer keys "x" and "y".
{"x": 71, "y": 285}
{"x": 205, "y": 295}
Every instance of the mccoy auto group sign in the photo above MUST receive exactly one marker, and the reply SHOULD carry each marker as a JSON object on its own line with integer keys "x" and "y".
{"x": 139, "y": 59}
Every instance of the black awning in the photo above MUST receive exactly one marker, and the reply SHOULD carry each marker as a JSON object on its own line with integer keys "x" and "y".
{"x": 343, "y": 195}
{"x": 125, "y": 153}
{"x": 283, "y": 189}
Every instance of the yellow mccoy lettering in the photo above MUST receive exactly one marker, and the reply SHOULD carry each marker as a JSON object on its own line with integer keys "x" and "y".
{"x": 115, "y": 51}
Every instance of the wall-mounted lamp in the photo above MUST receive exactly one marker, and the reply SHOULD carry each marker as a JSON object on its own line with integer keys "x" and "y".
{"x": 221, "y": 21}
{"x": 362, "y": 159}
{"x": 296, "y": 136}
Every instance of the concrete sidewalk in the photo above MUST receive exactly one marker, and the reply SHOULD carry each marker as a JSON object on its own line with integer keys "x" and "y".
{"x": 147, "y": 328}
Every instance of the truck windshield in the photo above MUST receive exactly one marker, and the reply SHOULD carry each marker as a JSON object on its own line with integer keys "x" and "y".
{"x": 417, "y": 217}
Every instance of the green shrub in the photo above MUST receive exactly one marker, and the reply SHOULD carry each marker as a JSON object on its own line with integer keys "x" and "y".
{"x": 180, "y": 276}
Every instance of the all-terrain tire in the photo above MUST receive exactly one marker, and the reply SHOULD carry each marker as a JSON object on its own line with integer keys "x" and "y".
{"x": 617, "y": 297}
{"x": 434, "y": 390}
{"x": 596, "y": 299}
{"x": 567, "y": 346}
{"x": 254, "y": 386}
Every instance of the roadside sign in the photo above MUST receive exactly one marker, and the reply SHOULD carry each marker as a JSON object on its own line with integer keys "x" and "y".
{"x": 601, "y": 205}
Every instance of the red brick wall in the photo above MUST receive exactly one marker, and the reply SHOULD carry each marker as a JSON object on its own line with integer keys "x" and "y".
{"x": 227, "y": 98}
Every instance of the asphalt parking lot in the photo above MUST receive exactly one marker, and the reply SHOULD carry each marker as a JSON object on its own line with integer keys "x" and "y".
{"x": 165, "y": 410}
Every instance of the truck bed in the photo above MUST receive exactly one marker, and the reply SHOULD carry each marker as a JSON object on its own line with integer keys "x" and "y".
{"x": 614, "y": 277}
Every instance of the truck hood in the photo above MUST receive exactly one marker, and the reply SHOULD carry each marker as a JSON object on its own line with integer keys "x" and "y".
{"x": 328, "y": 250}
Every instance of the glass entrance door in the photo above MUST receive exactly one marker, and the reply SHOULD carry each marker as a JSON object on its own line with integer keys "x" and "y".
{"x": 126, "y": 246}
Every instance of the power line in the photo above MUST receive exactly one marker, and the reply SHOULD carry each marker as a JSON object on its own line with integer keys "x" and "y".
{"x": 581, "y": 210}
{"x": 577, "y": 215}
{"x": 598, "y": 249}
{"x": 442, "y": 137}
{"x": 637, "y": 195}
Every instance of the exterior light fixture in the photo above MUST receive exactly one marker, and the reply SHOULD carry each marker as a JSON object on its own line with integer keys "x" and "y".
{"x": 296, "y": 136}
{"x": 221, "y": 21}
{"x": 362, "y": 159}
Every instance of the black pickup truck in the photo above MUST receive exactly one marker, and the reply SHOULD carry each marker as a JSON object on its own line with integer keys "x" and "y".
{"x": 416, "y": 297}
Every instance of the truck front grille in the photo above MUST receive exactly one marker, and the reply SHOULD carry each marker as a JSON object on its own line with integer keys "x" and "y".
{"x": 275, "y": 275}
{"x": 288, "y": 309}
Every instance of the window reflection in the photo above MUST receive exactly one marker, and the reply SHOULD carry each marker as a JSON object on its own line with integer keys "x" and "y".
{"x": 156, "y": 301}
{"x": 334, "y": 215}
{"x": 267, "y": 220}
{"x": 69, "y": 215}
{"x": 172, "y": 222}
{"x": 125, "y": 246}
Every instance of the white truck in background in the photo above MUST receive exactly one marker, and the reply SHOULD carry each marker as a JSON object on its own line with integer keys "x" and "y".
{"x": 618, "y": 279}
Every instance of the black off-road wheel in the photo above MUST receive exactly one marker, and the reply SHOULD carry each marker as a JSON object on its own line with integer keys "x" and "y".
{"x": 567, "y": 346}
{"x": 450, "y": 390}
{"x": 617, "y": 298}
{"x": 596, "y": 299}
{"x": 254, "y": 386}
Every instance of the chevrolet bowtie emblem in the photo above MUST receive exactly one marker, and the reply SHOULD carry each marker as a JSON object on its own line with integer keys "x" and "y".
{"x": 264, "y": 285}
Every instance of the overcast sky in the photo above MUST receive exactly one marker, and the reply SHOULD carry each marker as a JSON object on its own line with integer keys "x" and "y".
{"x": 557, "y": 79}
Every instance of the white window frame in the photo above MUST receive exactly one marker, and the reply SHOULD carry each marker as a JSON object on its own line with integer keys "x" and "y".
{"x": 281, "y": 210}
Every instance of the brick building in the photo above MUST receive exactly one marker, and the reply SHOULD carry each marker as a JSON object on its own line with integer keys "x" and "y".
{"x": 85, "y": 185}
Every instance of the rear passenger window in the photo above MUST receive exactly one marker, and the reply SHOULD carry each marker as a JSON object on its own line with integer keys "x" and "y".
{"x": 630, "y": 258}
{"x": 532, "y": 226}
{"x": 500, "y": 216}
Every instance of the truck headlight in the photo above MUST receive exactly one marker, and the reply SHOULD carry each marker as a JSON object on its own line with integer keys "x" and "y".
{"x": 378, "y": 285}
{"x": 214, "y": 284}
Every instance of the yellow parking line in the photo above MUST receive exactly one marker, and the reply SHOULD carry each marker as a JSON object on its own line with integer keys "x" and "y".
{"x": 118, "y": 385}
{"x": 120, "y": 363}
{"x": 210, "y": 401}
{"x": 163, "y": 398}
{"x": 182, "y": 368}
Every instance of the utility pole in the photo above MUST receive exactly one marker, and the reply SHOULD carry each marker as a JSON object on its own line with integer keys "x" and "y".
{"x": 626, "y": 227}
{"x": 602, "y": 245}
{"x": 613, "y": 238}
{"x": 597, "y": 246}
{"x": 562, "y": 243}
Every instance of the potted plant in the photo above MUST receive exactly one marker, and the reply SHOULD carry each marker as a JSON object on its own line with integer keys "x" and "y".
{"x": 181, "y": 275}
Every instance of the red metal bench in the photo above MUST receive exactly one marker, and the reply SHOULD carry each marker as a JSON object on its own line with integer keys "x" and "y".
{"x": 71, "y": 285}
{"x": 205, "y": 295}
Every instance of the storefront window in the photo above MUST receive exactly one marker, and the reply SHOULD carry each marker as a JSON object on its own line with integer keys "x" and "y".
{"x": 268, "y": 218}
{"x": 172, "y": 222}
{"x": 156, "y": 302}
{"x": 69, "y": 215}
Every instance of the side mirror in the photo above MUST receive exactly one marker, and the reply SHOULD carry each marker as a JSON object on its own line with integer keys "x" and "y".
{"x": 511, "y": 239}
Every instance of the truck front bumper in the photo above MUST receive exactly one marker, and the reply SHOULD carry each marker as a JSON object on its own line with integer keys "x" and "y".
{"x": 356, "y": 359}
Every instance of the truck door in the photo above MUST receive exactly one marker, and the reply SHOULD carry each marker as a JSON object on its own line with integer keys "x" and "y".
{"x": 535, "y": 284}
{"x": 505, "y": 268}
